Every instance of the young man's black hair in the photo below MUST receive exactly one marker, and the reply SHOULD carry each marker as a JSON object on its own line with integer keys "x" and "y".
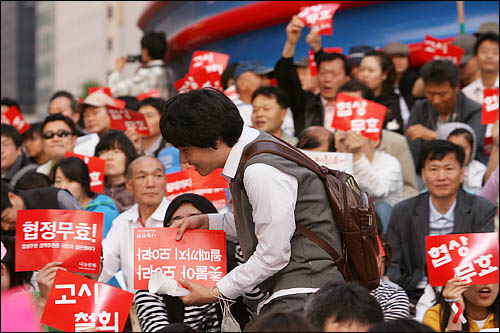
{"x": 227, "y": 74}
{"x": 155, "y": 43}
{"x": 325, "y": 56}
{"x": 34, "y": 128}
{"x": 356, "y": 85}
{"x": 199, "y": 118}
{"x": 272, "y": 92}
{"x": 11, "y": 132}
{"x": 345, "y": 303}
{"x": 158, "y": 103}
{"x": 400, "y": 325}
{"x": 439, "y": 71}
{"x": 58, "y": 116}
{"x": 492, "y": 37}
{"x": 65, "y": 94}
{"x": 438, "y": 149}
{"x": 10, "y": 102}
{"x": 115, "y": 139}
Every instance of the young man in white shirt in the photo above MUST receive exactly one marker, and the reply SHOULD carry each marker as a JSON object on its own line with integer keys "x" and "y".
{"x": 270, "y": 195}
{"x": 146, "y": 180}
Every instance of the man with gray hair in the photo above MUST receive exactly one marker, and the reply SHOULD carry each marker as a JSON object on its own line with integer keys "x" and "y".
{"x": 146, "y": 180}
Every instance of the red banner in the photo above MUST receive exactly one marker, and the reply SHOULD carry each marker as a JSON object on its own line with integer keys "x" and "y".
{"x": 77, "y": 304}
{"x": 96, "y": 167}
{"x": 15, "y": 118}
{"x": 155, "y": 93}
{"x": 198, "y": 79}
{"x": 212, "y": 61}
{"x": 211, "y": 187}
{"x": 320, "y": 16}
{"x": 360, "y": 115}
{"x": 490, "y": 106}
{"x": 473, "y": 257}
{"x": 200, "y": 256}
{"x": 432, "y": 48}
{"x": 124, "y": 119}
{"x": 70, "y": 236}
{"x": 119, "y": 104}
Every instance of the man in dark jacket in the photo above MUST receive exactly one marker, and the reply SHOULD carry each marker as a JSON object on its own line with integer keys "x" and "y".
{"x": 14, "y": 162}
{"x": 443, "y": 103}
{"x": 445, "y": 209}
{"x": 309, "y": 109}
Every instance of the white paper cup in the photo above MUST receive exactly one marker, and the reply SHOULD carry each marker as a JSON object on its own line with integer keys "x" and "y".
{"x": 160, "y": 284}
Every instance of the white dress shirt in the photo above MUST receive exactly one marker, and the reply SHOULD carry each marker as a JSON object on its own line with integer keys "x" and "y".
{"x": 273, "y": 195}
{"x": 118, "y": 246}
{"x": 475, "y": 90}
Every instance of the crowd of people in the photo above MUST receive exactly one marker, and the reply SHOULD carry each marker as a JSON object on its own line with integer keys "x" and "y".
{"x": 430, "y": 173}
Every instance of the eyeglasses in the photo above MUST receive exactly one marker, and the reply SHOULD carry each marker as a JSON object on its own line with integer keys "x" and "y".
{"x": 60, "y": 134}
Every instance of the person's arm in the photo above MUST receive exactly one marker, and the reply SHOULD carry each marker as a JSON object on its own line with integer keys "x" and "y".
{"x": 397, "y": 306}
{"x": 142, "y": 81}
{"x": 493, "y": 159}
{"x": 272, "y": 195}
{"x": 223, "y": 222}
{"x": 151, "y": 311}
{"x": 111, "y": 251}
{"x": 490, "y": 190}
{"x": 485, "y": 216}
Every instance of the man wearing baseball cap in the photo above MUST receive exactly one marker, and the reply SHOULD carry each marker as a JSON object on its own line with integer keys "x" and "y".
{"x": 356, "y": 53}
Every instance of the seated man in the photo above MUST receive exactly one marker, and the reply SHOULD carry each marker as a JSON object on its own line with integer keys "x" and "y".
{"x": 40, "y": 198}
{"x": 64, "y": 102}
{"x": 269, "y": 110}
{"x": 446, "y": 208}
{"x": 317, "y": 138}
{"x": 444, "y": 103}
{"x": 33, "y": 144}
{"x": 343, "y": 307}
{"x": 14, "y": 162}
{"x": 146, "y": 180}
{"x": 58, "y": 134}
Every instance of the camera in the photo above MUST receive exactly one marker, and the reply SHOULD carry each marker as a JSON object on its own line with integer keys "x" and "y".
{"x": 134, "y": 58}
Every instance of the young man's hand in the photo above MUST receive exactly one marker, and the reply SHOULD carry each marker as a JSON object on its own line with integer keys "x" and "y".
{"x": 419, "y": 131}
{"x": 314, "y": 40}
{"x": 199, "y": 295}
{"x": 294, "y": 30}
{"x": 46, "y": 276}
{"x": 190, "y": 222}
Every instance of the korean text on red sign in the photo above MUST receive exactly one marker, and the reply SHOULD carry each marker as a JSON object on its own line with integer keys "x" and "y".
{"x": 71, "y": 236}
{"x": 360, "y": 115}
{"x": 211, "y": 61}
{"x": 200, "y": 256}
{"x": 14, "y": 118}
{"x": 96, "y": 167}
{"x": 438, "y": 49}
{"x": 211, "y": 186}
{"x": 490, "y": 106}
{"x": 473, "y": 257}
{"x": 198, "y": 79}
{"x": 76, "y": 304}
{"x": 319, "y": 16}
{"x": 125, "y": 119}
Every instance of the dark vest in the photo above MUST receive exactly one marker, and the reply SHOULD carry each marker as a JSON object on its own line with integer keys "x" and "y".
{"x": 41, "y": 198}
{"x": 309, "y": 266}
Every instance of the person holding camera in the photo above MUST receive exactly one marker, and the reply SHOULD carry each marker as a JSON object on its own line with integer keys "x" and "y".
{"x": 153, "y": 73}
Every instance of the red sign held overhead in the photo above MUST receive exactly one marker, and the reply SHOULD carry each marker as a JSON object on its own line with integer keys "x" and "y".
{"x": 319, "y": 16}
{"x": 14, "y": 118}
{"x": 77, "y": 304}
{"x": 473, "y": 257}
{"x": 490, "y": 106}
{"x": 125, "y": 119}
{"x": 96, "y": 167}
{"x": 212, "y": 61}
{"x": 200, "y": 255}
{"x": 70, "y": 236}
{"x": 360, "y": 115}
{"x": 198, "y": 79}
{"x": 211, "y": 187}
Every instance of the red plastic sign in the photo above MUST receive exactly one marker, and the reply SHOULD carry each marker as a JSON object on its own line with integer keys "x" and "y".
{"x": 320, "y": 16}
{"x": 198, "y": 79}
{"x": 360, "y": 115}
{"x": 152, "y": 93}
{"x": 96, "y": 167}
{"x": 211, "y": 187}
{"x": 490, "y": 106}
{"x": 76, "y": 304}
{"x": 15, "y": 118}
{"x": 473, "y": 257}
{"x": 124, "y": 119}
{"x": 433, "y": 48}
{"x": 212, "y": 61}
{"x": 200, "y": 256}
{"x": 70, "y": 236}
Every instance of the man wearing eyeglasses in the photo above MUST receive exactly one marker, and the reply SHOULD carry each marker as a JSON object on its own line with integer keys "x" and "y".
{"x": 58, "y": 135}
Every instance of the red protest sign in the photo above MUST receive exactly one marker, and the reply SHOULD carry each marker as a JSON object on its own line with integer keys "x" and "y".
{"x": 124, "y": 119}
{"x": 198, "y": 79}
{"x": 70, "y": 236}
{"x": 96, "y": 167}
{"x": 15, "y": 118}
{"x": 473, "y": 257}
{"x": 119, "y": 104}
{"x": 200, "y": 255}
{"x": 76, "y": 303}
{"x": 212, "y": 61}
{"x": 434, "y": 48}
{"x": 211, "y": 187}
{"x": 490, "y": 106}
{"x": 152, "y": 93}
{"x": 360, "y": 115}
{"x": 320, "y": 16}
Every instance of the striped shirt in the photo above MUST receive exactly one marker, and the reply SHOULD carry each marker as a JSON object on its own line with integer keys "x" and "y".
{"x": 392, "y": 299}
